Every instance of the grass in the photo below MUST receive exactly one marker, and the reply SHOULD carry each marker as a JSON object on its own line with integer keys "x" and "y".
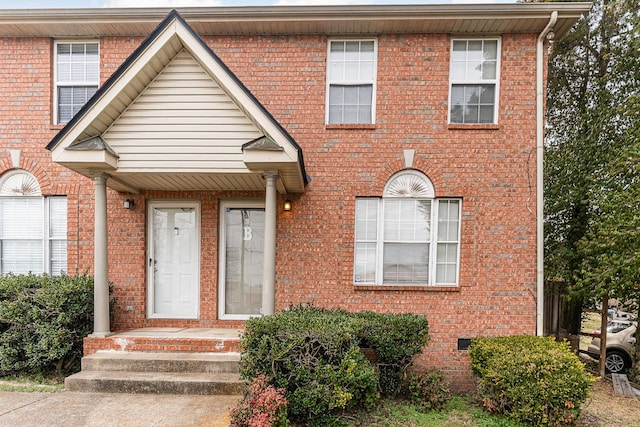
{"x": 31, "y": 383}
{"x": 460, "y": 411}
{"x": 590, "y": 322}
{"x": 603, "y": 408}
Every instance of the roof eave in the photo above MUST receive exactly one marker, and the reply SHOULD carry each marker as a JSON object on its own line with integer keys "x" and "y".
{"x": 281, "y": 19}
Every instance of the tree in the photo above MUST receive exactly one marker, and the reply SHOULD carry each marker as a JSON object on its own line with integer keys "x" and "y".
{"x": 592, "y": 187}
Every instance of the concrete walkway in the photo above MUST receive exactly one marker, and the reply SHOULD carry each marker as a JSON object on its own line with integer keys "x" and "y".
{"x": 76, "y": 409}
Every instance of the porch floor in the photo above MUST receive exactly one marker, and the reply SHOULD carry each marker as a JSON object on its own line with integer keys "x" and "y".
{"x": 221, "y": 333}
{"x": 194, "y": 340}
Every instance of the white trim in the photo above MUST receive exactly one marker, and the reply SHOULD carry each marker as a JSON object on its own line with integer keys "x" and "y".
{"x": 334, "y": 19}
{"x": 28, "y": 178}
{"x": 224, "y": 204}
{"x": 458, "y": 243}
{"x": 428, "y": 191}
{"x": 151, "y": 204}
{"x": 496, "y": 81}
{"x": 433, "y": 244}
{"x": 373, "y": 80}
{"x": 540, "y": 97}
{"x": 56, "y": 83}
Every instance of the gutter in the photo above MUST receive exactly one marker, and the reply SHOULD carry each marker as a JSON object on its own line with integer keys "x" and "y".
{"x": 540, "y": 98}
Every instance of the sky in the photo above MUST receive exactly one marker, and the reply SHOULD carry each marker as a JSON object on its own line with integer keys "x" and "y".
{"x": 50, "y": 4}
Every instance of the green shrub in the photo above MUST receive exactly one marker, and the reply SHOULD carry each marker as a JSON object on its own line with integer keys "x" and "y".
{"x": 530, "y": 379}
{"x": 314, "y": 354}
{"x": 397, "y": 338}
{"x": 43, "y": 320}
{"x": 428, "y": 390}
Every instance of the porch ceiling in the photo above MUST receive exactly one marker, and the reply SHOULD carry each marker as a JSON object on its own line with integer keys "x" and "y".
{"x": 161, "y": 181}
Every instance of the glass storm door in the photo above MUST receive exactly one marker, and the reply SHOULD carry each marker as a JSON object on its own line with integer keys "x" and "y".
{"x": 242, "y": 244}
{"x": 173, "y": 260}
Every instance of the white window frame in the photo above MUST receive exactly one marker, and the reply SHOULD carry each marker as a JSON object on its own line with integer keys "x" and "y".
{"x": 433, "y": 240}
{"x": 347, "y": 82}
{"x": 46, "y": 237}
{"x": 57, "y": 84}
{"x": 495, "y": 81}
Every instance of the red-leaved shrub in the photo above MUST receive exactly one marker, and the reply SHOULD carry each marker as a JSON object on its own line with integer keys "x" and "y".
{"x": 262, "y": 405}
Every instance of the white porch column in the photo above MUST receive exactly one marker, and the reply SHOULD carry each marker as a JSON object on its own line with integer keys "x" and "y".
{"x": 269, "y": 264}
{"x": 101, "y": 327}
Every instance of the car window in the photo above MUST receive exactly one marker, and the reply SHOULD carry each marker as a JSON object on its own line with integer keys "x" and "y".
{"x": 615, "y": 327}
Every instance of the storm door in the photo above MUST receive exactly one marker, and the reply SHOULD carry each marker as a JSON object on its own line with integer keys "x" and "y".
{"x": 173, "y": 260}
{"x": 241, "y": 259}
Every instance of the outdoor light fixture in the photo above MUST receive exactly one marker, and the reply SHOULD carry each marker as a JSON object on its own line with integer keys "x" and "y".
{"x": 128, "y": 204}
{"x": 287, "y": 205}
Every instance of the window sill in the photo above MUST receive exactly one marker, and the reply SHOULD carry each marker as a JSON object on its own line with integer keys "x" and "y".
{"x": 473, "y": 126}
{"x": 412, "y": 288}
{"x": 56, "y": 127}
{"x": 342, "y": 126}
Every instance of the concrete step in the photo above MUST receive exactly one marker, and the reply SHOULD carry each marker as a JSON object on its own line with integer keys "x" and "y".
{"x": 159, "y": 373}
{"x": 155, "y": 382}
{"x": 161, "y": 362}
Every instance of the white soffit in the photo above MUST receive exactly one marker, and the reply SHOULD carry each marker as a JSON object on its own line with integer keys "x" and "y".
{"x": 469, "y": 18}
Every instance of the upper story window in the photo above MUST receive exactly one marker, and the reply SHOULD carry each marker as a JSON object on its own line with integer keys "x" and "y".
{"x": 351, "y": 76}
{"x": 77, "y": 75}
{"x": 33, "y": 229}
{"x": 407, "y": 237}
{"x": 474, "y": 76}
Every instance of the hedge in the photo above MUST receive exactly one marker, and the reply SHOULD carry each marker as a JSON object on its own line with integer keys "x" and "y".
{"x": 535, "y": 380}
{"x": 315, "y": 355}
{"x": 43, "y": 320}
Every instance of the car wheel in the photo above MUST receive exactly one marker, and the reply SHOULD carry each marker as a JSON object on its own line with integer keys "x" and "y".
{"x": 616, "y": 362}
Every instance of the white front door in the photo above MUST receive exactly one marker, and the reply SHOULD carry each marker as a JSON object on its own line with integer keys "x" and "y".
{"x": 241, "y": 259}
{"x": 174, "y": 260}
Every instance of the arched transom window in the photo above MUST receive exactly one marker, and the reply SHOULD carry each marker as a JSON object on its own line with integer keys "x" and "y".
{"x": 33, "y": 229}
{"x": 407, "y": 236}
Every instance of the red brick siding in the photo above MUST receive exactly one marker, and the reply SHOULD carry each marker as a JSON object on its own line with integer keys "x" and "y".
{"x": 492, "y": 168}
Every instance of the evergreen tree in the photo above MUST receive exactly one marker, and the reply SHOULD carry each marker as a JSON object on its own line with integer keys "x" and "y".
{"x": 592, "y": 182}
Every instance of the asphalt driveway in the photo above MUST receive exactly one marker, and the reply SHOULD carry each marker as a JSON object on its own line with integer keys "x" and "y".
{"x": 75, "y": 409}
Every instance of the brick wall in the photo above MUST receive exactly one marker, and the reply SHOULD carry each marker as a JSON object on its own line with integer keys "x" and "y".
{"x": 492, "y": 168}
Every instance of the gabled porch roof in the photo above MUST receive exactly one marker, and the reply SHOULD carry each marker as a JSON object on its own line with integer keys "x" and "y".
{"x": 174, "y": 117}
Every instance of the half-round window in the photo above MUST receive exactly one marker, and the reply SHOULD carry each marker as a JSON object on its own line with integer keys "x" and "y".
{"x": 409, "y": 184}
{"x": 19, "y": 183}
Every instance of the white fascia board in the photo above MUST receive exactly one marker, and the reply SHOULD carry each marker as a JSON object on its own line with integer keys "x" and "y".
{"x": 94, "y": 159}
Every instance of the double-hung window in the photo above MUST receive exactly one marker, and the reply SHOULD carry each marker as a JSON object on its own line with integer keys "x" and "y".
{"x": 474, "y": 76}
{"x": 77, "y": 75}
{"x": 33, "y": 229}
{"x": 407, "y": 237}
{"x": 351, "y": 76}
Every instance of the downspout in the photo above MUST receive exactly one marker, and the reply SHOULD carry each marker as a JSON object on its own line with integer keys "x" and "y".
{"x": 540, "y": 98}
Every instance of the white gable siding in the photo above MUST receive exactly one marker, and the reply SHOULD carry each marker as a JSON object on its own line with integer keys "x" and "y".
{"x": 182, "y": 122}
